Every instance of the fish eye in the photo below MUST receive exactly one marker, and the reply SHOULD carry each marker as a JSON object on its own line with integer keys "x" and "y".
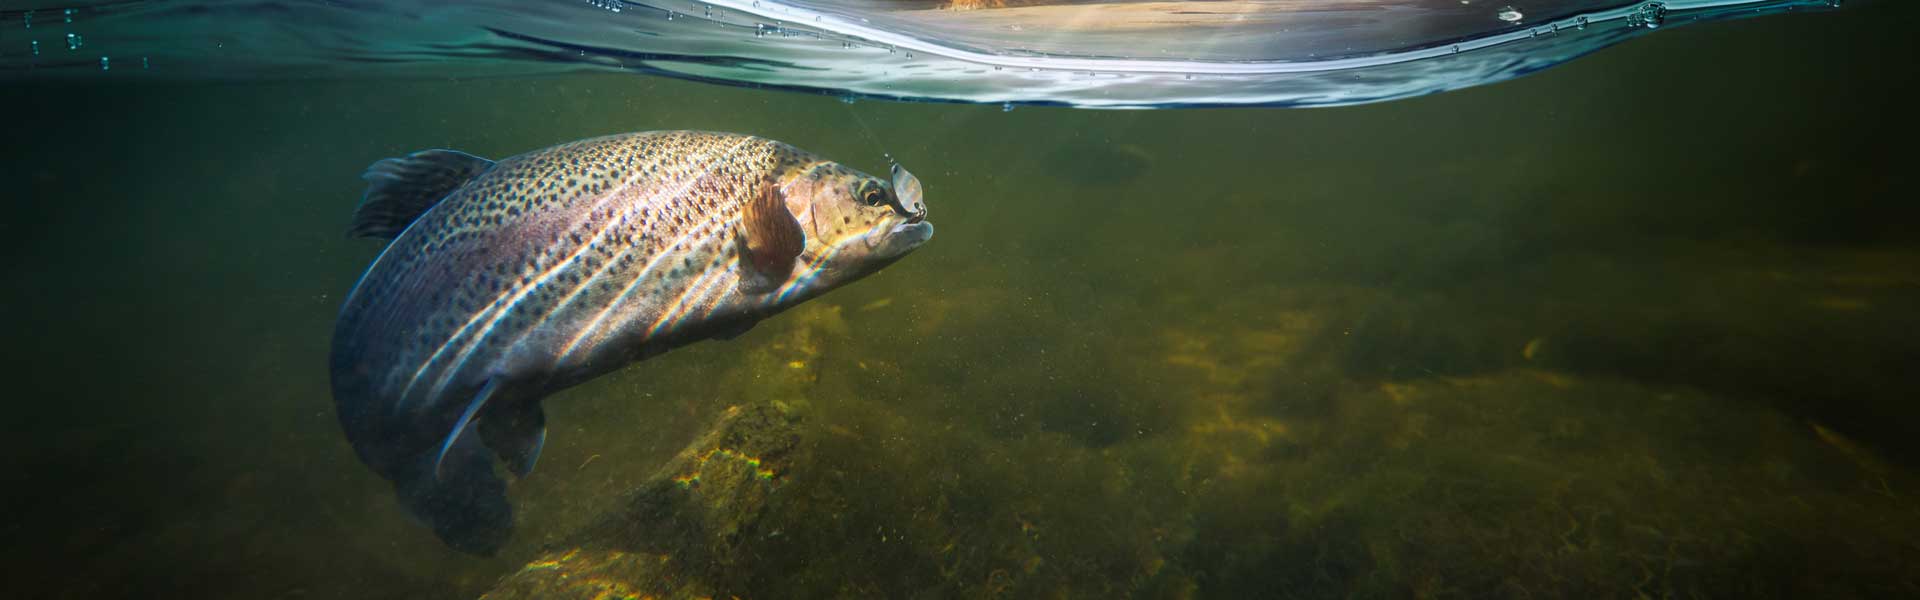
{"x": 872, "y": 195}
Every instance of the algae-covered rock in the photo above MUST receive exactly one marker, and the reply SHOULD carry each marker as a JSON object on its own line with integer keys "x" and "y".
{"x": 679, "y": 534}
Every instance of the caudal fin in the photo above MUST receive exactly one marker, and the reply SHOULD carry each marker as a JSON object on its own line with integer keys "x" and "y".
{"x": 462, "y": 500}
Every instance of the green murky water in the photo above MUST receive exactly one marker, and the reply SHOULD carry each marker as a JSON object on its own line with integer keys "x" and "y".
{"x": 1639, "y": 326}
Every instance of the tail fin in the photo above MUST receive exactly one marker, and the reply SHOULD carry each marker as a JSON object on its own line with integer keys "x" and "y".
{"x": 465, "y": 503}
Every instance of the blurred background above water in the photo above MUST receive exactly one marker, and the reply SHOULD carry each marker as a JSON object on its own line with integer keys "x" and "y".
{"x": 1641, "y": 325}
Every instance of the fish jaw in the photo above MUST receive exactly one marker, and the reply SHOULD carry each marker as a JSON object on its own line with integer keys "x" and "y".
{"x": 903, "y": 238}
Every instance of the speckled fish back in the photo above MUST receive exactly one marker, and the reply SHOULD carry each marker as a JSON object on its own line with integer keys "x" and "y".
{"x": 535, "y": 265}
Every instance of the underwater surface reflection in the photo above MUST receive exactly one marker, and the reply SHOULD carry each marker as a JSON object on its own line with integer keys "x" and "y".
{"x": 1640, "y": 325}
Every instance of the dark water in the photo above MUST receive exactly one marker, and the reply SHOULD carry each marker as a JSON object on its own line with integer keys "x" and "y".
{"x": 1639, "y": 326}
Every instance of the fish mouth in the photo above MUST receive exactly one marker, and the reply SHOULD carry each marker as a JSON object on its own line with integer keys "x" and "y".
{"x": 904, "y": 236}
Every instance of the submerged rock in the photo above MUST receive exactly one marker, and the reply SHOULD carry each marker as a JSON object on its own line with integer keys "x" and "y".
{"x": 679, "y": 534}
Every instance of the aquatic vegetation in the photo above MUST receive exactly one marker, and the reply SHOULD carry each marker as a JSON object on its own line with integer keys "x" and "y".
{"x": 1279, "y": 471}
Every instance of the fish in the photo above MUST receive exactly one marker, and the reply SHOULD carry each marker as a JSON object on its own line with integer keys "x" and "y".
{"x": 506, "y": 281}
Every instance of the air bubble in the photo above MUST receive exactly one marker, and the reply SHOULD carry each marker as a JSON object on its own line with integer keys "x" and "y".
{"x": 74, "y": 41}
{"x": 68, "y": 15}
{"x": 103, "y": 63}
{"x": 1509, "y": 14}
{"x": 1580, "y": 23}
{"x": 1006, "y": 107}
{"x": 909, "y": 55}
{"x": 36, "y": 47}
{"x": 846, "y": 99}
{"x": 28, "y": 19}
{"x": 1456, "y": 48}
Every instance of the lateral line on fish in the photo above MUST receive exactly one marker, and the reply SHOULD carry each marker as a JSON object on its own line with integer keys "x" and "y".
{"x": 719, "y": 229}
{"x": 586, "y": 283}
{"x": 459, "y": 362}
{"x": 706, "y": 229}
{"x": 732, "y": 269}
{"x": 673, "y": 315}
{"x": 494, "y": 307}
{"x": 497, "y": 310}
{"x": 574, "y": 344}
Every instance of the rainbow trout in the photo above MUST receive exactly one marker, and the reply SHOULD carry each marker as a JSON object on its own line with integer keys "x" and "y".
{"x": 507, "y": 281}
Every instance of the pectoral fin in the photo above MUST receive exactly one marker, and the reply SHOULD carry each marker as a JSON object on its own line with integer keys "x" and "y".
{"x": 770, "y": 239}
{"x": 461, "y": 426}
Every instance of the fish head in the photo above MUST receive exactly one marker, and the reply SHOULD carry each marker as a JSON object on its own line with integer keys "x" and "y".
{"x": 855, "y": 223}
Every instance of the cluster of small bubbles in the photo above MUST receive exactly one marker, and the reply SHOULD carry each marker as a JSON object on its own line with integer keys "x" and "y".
{"x": 1580, "y": 23}
{"x": 609, "y": 5}
{"x": 998, "y": 68}
{"x": 846, "y": 99}
{"x": 1650, "y": 15}
{"x": 669, "y": 15}
{"x": 103, "y": 63}
{"x": 708, "y": 10}
{"x": 1509, "y": 14}
{"x": 909, "y": 55}
{"x": 28, "y": 19}
{"x": 74, "y": 42}
{"x": 1006, "y": 107}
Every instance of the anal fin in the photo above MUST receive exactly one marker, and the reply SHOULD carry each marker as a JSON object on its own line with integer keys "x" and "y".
{"x": 516, "y": 432}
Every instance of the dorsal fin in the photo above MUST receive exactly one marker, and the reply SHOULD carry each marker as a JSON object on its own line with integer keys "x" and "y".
{"x": 400, "y": 189}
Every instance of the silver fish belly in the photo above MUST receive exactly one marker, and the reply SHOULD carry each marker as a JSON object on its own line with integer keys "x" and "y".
{"x": 505, "y": 282}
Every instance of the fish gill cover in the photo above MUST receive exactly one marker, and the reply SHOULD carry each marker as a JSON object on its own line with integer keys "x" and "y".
{"x": 1084, "y": 53}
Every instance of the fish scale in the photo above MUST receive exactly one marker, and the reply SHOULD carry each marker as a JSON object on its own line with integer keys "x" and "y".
{"x": 519, "y": 278}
